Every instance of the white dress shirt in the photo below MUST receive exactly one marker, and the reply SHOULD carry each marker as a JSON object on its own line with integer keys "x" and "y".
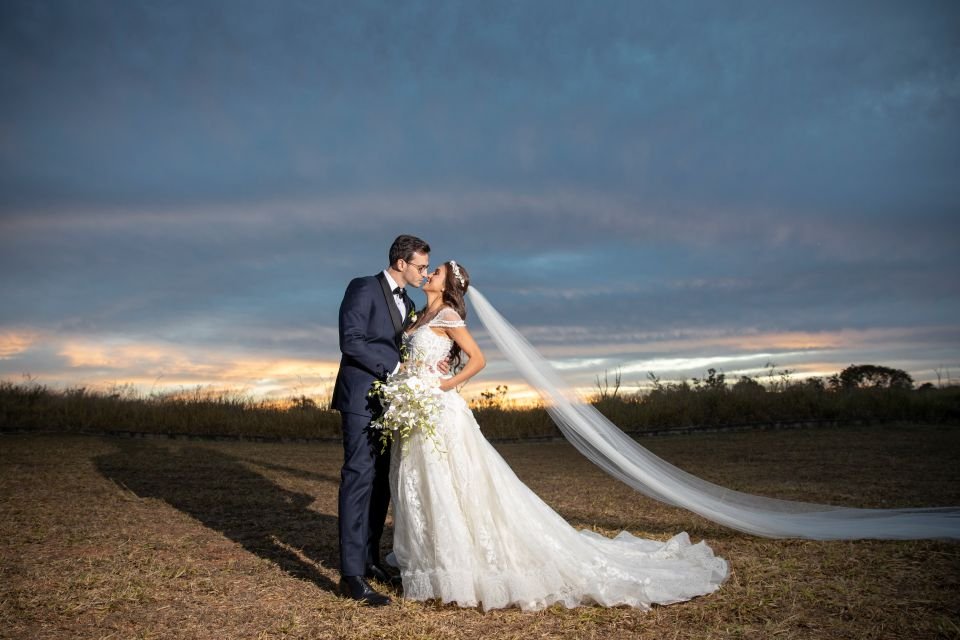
{"x": 398, "y": 300}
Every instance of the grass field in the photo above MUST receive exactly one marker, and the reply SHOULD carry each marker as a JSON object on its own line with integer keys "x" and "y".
{"x": 111, "y": 537}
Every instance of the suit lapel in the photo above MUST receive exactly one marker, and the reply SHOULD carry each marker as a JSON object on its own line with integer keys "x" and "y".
{"x": 391, "y": 305}
{"x": 409, "y": 306}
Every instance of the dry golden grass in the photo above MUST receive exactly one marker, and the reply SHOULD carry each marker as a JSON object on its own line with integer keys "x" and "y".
{"x": 156, "y": 538}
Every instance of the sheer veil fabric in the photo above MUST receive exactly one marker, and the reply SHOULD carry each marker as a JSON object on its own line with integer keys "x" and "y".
{"x": 609, "y": 448}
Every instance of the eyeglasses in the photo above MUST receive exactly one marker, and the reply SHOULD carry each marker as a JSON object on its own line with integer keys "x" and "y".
{"x": 421, "y": 268}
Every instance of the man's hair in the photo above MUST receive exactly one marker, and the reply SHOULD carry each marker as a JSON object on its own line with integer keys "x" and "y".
{"x": 404, "y": 247}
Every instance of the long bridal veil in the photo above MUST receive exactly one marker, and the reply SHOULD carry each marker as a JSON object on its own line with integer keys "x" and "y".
{"x": 619, "y": 455}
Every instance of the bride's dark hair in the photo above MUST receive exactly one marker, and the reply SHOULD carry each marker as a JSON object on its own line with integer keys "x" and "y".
{"x": 455, "y": 285}
{"x": 455, "y": 288}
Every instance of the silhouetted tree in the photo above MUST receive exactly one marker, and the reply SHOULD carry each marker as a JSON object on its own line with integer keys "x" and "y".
{"x": 603, "y": 388}
{"x": 713, "y": 381}
{"x": 872, "y": 376}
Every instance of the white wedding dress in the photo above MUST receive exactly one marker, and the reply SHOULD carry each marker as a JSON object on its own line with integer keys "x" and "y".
{"x": 468, "y": 531}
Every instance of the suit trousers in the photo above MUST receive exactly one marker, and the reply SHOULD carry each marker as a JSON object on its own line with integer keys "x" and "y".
{"x": 364, "y": 494}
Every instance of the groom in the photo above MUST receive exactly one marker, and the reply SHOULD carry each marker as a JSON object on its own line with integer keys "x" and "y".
{"x": 373, "y": 314}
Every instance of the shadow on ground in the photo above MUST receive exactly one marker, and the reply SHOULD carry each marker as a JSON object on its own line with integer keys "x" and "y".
{"x": 225, "y": 495}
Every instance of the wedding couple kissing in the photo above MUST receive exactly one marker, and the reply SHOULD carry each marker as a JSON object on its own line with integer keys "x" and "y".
{"x": 466, "y": 529}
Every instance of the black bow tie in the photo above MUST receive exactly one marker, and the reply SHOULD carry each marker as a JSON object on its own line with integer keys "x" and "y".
{"x": 399, "y": 291}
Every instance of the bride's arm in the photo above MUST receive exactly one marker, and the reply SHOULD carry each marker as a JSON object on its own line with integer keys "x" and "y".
{"x": 468, "y": 345}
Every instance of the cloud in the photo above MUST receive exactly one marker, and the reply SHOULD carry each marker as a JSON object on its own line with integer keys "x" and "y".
{"x": 684, "y": 354}
{"x": 104, "y": 361}
{"x": 206, "y": 178}
{"x": 232, "y": 103}
{"x": 13, "y": 342}
{"x": 271, "y": 277}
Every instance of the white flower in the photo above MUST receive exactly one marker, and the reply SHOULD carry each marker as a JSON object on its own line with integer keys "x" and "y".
{"x": 410, "y": 402}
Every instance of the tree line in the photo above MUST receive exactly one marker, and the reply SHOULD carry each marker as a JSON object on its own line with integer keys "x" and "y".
{"x": 859, "y": 393}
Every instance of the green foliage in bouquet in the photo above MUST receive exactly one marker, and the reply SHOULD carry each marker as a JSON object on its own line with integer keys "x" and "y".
{"x": 410, "y": 403}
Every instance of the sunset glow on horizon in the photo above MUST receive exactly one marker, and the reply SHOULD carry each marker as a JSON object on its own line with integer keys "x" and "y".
{"x": 108, "y": 363}
{"x": 638, "y": 188}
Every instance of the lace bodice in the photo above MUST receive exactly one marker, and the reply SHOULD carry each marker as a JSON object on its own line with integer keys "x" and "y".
{"x": 424, "y": 347}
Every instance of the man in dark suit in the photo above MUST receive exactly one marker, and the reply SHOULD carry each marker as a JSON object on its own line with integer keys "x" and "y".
{"x": 373, "y": 314}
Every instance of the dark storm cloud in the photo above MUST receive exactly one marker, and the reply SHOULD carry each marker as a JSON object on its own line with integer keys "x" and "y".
{"x": 145, "y": 102}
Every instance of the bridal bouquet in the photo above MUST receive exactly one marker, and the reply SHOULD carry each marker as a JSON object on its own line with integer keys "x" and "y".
{"x": 410, "y": 402}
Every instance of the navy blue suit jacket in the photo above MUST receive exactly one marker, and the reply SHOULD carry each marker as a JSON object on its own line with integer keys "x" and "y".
{"x": 370, "y": 328}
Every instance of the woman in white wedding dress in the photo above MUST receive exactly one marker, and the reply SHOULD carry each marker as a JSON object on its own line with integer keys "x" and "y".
{"x": 468, "y": 531}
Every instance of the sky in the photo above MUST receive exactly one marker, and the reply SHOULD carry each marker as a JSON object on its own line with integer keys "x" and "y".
{"x": 187, "y": 187}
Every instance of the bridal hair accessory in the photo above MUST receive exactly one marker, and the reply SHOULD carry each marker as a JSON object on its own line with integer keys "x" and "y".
{"x": 456, "y": 273}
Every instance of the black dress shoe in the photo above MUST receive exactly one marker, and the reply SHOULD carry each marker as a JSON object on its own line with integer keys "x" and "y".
{"x": 356, "y": 588}
{"x": 380, "y": 574}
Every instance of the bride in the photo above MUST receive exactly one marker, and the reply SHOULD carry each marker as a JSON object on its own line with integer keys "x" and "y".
{"x": 468, "y": 531}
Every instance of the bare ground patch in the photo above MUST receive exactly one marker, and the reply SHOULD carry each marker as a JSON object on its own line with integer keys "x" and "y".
{"x": 156, "y": 538}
